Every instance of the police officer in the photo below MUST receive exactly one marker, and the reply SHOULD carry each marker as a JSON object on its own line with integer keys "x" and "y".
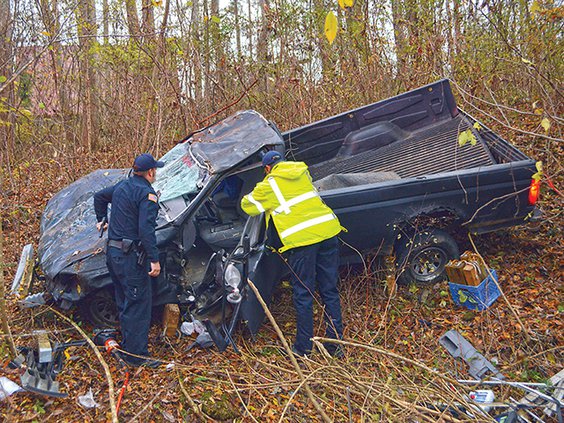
{"x": 131, "y": 237}
{"x": 308, "y": 230}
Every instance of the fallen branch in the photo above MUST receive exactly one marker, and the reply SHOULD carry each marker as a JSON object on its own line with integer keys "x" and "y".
{"x": 309, "y": 393}
{"x": 241, "y": 399}
{"x": 191, "y": 402}
{"x": 3, "y": 312}
{"x": 524, "y": 329}
{"x": 111, "y": 392}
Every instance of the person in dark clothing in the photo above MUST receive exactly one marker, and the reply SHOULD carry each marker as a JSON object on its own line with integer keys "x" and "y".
{"x": 132, "y": 256}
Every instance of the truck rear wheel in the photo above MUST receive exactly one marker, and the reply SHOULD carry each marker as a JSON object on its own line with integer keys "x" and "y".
{"x": 99, "y": 308}
{"x": 421, "y": 257}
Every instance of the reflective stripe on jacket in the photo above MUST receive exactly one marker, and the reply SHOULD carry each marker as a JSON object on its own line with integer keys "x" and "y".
{"x": 288, "y": 197}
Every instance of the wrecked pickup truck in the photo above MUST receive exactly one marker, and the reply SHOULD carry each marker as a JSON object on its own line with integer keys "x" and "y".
{"x": 395, "y": 173}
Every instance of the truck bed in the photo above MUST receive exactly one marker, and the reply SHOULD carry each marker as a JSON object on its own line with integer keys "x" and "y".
{"x": 425, "y": 152}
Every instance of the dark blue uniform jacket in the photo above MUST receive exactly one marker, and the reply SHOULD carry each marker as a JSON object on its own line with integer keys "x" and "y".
{"x": 134, "y": 212}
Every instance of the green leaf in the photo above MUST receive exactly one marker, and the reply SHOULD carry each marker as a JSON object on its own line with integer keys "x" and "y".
{"x": 3, "y": 79}
{"x": 477, "y": 126}
{"x": 216, "y": 19}
{"x": 330, "y": 27}
{"x": 41, "y": 105}
{"x": 527, "y": 62}
{"x": 462, "y": 296}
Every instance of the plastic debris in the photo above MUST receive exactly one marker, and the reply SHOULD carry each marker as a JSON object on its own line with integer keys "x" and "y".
{"x": 483, "y": 397}
{"x": 87, "y": 400}
{"x": 188, "y": 328}
{"x": 459, "y": 347}
{"x": 7, "y": 388}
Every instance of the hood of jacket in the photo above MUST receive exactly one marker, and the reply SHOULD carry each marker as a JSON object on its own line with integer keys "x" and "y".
{"x": 289, "y": 170}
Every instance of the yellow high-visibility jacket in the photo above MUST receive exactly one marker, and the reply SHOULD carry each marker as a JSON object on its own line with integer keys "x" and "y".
{"x": 288, "y": 196}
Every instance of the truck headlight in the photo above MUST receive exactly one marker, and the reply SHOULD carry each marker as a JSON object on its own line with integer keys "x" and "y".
{"x": 232, "y": 279}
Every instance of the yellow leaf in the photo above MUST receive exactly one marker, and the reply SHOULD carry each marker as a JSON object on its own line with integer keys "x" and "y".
{"x": 477, "y": 126}
{"x": 539, "y": 111}
{"x": 46, "y": 33}
{"x": 545, "y": 123}
{"x": 538, "y": 176}
{"x": 528, "y": 62}
{"x": 349, "y": 3}
{"x": 535, "y": 8}
{"x": 342, "y": 4}
{"x": 466, "y": 136}
{"x": 156, "y": 3}
{"x": 330, "y": 27}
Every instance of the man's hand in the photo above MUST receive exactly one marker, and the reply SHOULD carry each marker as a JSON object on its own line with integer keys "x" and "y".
{"x": 99, "y": 225}
{"x": 155, "y": 269}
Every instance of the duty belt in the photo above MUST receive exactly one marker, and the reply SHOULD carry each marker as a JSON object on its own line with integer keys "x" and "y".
{"x": 115, "y": 243}
{"x": 123, "y": 246}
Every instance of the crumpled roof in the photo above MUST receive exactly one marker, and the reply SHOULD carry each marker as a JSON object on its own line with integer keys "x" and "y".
{"x": 233, "y": 140}
{"x": 68, "y": 224}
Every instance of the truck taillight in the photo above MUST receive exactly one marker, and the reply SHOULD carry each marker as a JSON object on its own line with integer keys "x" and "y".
{"x": 534, "y": 191}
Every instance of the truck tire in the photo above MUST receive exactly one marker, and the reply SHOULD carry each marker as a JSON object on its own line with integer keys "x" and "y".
{"x": 421, "y": 257}
{"x": 99, "y": 308}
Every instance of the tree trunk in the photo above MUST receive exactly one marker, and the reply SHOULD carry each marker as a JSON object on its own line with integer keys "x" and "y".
{"x": 194, "y": 40}
{"x": 398, "y": 23}
{"x": 325, "y": 49}
{"x": 237, "y": 28}
{"x": 148, "y": 26}
{"x": 50, "y": 16}
{"x": 262, "y": 44}
{"x": 106, "y": 20}
{"x": 7, "y": 116}
{"x": 87, "y": 31}
{"x": 132, "y": 19}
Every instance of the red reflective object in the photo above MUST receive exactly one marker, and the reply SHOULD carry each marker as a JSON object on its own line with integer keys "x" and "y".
{"x": 534, "y": 191}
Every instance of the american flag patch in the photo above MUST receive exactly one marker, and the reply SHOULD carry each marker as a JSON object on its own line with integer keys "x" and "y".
{"x": 153, "y": 198}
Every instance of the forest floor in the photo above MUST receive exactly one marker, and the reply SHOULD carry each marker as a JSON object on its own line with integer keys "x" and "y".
{"x": 386, "y": 377}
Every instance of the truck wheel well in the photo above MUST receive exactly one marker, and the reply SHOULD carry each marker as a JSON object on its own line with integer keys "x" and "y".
{"x": 445, "y": 219}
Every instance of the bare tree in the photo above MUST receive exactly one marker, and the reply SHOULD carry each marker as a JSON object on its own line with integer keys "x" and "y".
{"x": 87, "y": 31}
{"x": 7, "y": 117}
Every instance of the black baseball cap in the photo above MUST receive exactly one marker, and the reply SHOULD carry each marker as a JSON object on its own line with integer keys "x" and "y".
{"x": 144, "y": 162}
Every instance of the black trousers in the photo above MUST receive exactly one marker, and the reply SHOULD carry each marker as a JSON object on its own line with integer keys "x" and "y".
{"x": 133, "y": 293}
{"x": 315, "y": 263}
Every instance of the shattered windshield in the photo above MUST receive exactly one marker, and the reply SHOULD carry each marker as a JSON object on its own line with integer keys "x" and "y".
{"x": 179, "y": 176}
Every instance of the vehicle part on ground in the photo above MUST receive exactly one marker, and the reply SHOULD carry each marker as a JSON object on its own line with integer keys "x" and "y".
{"x": 42, "y": 365}
{"x": 421, "y": 257}
{"x": 459, "y": 347}
{"x": 34, "y": 300}
{"x": 100, "y": 309}
{"x": 24, "y": 272}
